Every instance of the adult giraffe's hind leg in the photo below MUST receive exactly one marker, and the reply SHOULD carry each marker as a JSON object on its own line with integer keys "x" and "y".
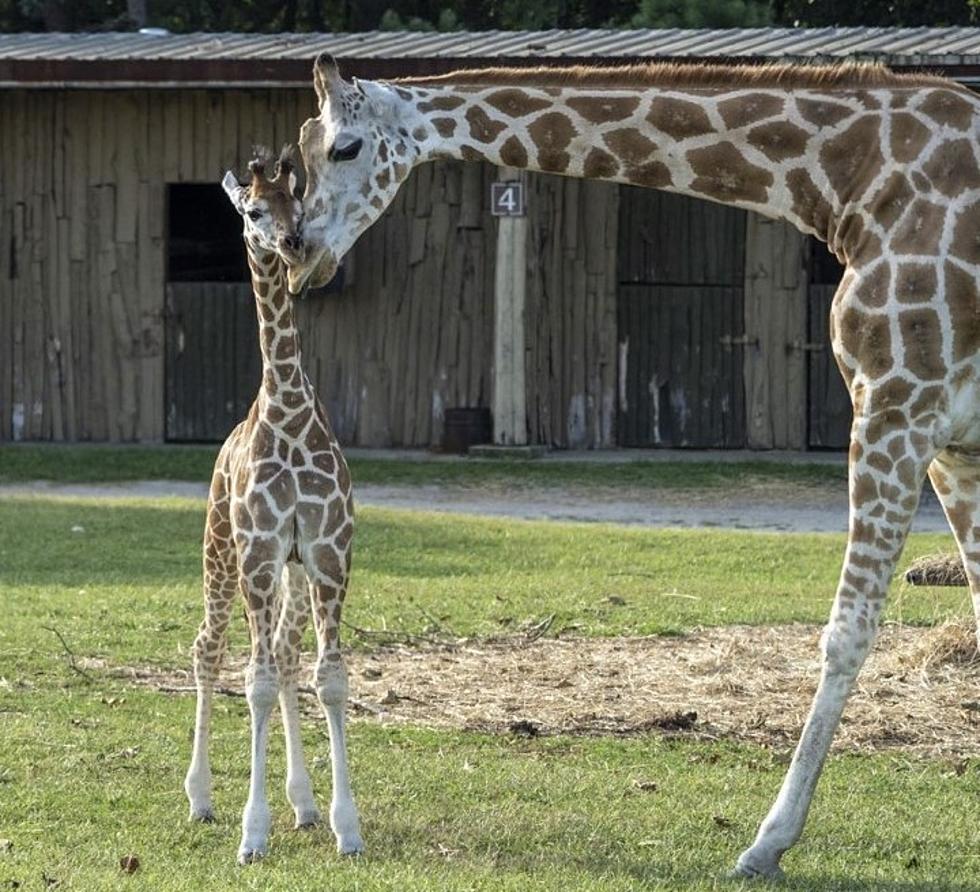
{"x": 293, "y": 616}
{"x": 220, "y": 589}
{"x": 956, "y": 478}
{"x": 885, "y": 478}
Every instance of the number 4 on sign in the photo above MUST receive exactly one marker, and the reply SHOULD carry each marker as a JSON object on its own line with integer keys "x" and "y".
{"x": 507, "y": 199}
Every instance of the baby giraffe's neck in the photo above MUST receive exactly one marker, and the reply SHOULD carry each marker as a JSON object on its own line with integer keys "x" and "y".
{"x": 285, "y": 392}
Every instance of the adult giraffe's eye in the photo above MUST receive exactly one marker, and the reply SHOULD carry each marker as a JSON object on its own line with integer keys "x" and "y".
{"x": 255, "y": 215}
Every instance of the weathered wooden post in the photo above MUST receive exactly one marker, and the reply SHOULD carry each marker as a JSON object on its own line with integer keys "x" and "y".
{"x": 510, "y": 286}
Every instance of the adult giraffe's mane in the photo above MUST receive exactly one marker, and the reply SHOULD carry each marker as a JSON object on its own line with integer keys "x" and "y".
{"x": 690, "y": 75}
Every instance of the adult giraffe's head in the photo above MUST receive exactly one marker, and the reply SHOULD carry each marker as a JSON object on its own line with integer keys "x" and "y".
{"x": 269, "y": 206}
{"x": 356, "y": 152}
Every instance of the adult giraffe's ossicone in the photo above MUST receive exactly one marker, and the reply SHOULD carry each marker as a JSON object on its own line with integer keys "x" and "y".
{"x": 885, "y": 168}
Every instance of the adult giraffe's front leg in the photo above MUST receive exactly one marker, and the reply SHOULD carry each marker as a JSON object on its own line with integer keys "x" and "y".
{"x": 886, "y": 474}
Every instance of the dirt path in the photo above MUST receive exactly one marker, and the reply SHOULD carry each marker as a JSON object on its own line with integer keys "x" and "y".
{"x": 919, "y": 693}
{"x": 768, "y": 507}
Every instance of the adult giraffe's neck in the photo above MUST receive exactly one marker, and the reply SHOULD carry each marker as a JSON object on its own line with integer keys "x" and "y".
{"x": 763, "y": 149}
{"x": 284, "y": 384}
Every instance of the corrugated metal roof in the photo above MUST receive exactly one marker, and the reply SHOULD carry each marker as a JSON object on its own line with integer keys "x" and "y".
{"x": 226, "y": 56}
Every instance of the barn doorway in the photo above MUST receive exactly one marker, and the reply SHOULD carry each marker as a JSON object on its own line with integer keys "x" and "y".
{"x": 828, "y": 403}
{"x": 681, "y": 322}
{"x": 213, "y": 365}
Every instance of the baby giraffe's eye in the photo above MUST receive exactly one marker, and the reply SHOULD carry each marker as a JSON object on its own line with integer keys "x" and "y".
{"x": 255, "y": 215}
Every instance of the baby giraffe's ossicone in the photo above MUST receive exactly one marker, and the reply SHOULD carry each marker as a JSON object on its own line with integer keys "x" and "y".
{"x": 278, "y": 535}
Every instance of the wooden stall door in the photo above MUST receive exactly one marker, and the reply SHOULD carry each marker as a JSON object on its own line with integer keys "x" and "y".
{"x": 213, "y": 364}
{"x": 680, "y": 322}
{"x": 829, "y": 404}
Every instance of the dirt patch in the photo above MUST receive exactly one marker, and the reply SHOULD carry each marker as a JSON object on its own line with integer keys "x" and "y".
{"x": 919, "y": 692}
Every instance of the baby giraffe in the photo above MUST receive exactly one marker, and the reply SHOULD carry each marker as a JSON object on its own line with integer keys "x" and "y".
{"x": 278, "y": 534}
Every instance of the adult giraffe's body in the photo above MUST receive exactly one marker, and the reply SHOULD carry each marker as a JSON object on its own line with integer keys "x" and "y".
{"x": 884, "y": 168}
{"x": 278, "y": 536}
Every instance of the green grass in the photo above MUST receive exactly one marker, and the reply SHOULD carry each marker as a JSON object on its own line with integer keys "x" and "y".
{"x": 467, "y": 576}
{"x": 92, "y": 771}
{"x": 90, "y": 774}
{"x": 83, "y": 464}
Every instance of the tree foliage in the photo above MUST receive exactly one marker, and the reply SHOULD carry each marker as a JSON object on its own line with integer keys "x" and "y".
{"x": 475, "y": 15}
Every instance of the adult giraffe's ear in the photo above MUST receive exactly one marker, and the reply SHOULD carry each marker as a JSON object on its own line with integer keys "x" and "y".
{"x": 233, "y": 189}
{"x": 327, "y": 80}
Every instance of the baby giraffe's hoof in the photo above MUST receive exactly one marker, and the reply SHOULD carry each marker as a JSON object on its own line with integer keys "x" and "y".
{"x": 250, "y": 856}
{"x": 308, "y": 820}
{"x": 350, "y": 844}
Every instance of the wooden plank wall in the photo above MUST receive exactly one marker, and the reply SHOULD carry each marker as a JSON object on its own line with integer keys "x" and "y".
{"x": 412, "y": 335}
{"x": 82, "y": 232}
{"x": 776, "y": 324}
{"x": 571, "y": 312}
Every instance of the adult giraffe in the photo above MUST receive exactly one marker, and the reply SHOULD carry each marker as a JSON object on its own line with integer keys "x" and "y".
{"x": 883, "y": 167}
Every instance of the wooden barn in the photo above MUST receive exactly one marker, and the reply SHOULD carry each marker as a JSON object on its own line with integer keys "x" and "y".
{"x": 645, "y": 319}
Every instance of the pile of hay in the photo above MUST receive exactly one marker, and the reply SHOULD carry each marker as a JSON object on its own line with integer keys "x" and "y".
{"x": 919, "y": 692}
{"x": 936, "y": 569}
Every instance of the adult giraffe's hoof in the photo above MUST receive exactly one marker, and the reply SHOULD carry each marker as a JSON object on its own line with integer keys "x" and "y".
{"x": 749, "y": 867}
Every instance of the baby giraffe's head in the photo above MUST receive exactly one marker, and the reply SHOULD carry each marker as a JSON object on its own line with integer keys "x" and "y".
{"x": 270, "y": 207}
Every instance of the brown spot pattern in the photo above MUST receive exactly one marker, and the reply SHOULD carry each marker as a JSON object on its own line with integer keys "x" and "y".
{"x": 920, "y": 229}
{"x": 678, "y": 118}
{"x": 852, "y": 159}
{"x": 922, "y": 338}
{"x": 949, "y": 108}
{"x": 741, "y": 111}
{"x": 603, "y": 109}
{"x": 952, "y": 167}
{"x": 892, "y": 199}
{"x": 915, "y": 283}
{"x": 723, "y": 173}
{"x": 482, "y": 127}
{"x": 599, "y": 165}
{"x": 866, "y": 337}
{"x": 909, "y": 135}
{"x": 630, "y": 145}
{"x": 964, "y": 311}
{"x": 513, "y": 153}
{"x": 823, "y": 112}
{"x": 551, "y": 134}
{"x": 779, "y": 140}
{"x": 516, "y": 103}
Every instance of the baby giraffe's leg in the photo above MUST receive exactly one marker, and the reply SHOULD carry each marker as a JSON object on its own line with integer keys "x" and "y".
{"x": 885, "y": 482}
{"x": 956, "y": 479}
{"x": 331, "y": 688}
{"x": 289, "y": 634}
{"x": 220, "y": 588}
{"x": 261, "y": 561}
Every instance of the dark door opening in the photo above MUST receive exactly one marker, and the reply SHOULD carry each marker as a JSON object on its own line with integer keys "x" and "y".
{"x": 829, "y": 404}
{"x": 213, "y": 365}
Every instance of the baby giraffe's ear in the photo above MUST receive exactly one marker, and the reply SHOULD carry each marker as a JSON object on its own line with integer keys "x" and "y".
{"x": 233, "y": 189}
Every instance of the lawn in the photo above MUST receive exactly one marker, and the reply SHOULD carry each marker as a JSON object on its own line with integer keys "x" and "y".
{"x": 91, "y": 768}
{"x": 83, "y": 464}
